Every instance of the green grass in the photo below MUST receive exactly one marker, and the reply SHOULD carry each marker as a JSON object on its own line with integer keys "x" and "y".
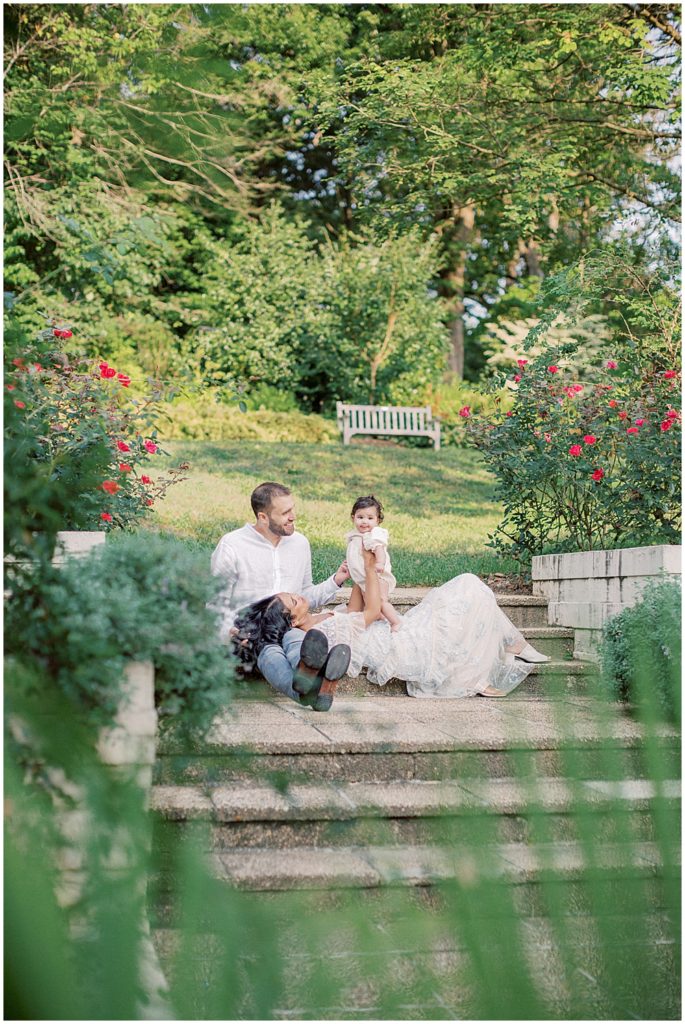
{"x": 438, "y": 505}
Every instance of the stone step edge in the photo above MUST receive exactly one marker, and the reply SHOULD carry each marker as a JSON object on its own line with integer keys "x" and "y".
{"x": 411, "y": 596}
{"x": 402, "y": 799}
{"x": 375, "y": 866}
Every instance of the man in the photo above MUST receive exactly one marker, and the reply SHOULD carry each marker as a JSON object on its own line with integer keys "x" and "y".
{"x": 265, "y": 558}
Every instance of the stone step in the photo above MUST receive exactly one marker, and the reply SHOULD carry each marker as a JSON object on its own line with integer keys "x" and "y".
{"x": 523, "y": 609}
{"x": 334, "y": 979}
{"x": 407, "y": 738}
{"x": 332, "y": 814}
{"x": 371, "y": 866}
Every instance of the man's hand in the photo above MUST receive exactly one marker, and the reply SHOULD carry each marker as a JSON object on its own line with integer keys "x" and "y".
{"x": 342, "y": 574}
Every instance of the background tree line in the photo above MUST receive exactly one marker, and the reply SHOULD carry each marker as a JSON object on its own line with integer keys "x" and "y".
{"x": 335, "y": 201}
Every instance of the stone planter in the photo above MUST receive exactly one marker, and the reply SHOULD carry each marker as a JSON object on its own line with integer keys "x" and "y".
{"x": 586, "y": 588}
{"x": 76, "y": 544}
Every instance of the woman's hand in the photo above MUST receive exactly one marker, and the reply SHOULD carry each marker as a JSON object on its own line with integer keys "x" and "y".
{"x": 369, "y": 558}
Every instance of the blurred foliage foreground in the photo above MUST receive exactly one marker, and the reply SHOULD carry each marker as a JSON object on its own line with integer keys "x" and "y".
{"x": 600, "y": 941}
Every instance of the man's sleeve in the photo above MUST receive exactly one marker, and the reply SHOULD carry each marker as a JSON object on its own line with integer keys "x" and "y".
{"x": 224, "y": 564}
{"x": 317, "y": 594}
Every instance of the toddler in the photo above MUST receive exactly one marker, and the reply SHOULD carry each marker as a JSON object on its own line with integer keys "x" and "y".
{"x": 367, "y": 514}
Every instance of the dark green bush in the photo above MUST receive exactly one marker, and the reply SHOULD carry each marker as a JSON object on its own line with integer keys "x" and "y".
{"x": 138, "y": 597}
{"x": 640, "y": 651}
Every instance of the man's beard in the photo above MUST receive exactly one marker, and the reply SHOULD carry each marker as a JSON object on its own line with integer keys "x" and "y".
{"x": 281, "y": 531}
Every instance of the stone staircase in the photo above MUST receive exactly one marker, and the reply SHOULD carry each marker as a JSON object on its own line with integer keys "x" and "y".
{"x": 387, "y": 795}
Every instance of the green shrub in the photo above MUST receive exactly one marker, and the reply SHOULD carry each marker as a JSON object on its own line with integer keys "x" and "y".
{"x": 641, "y": 654}
{"x": 265, "y": 396}
{"x": 590, "y": 456}
{"x": 452, "y": 395}
{"x": 74, "y": 420}
{"x": 218, "y": 422}
{"x": 138, "y": 597}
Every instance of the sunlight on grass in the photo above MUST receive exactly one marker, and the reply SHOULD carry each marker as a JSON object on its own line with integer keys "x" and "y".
{"x": 438, "y": 505}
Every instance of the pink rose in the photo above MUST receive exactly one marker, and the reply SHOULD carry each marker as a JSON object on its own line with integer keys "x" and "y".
{"x": 632, "y": 430}
{"x": 553, "y": 369}
{"x": 639, "y": 423}
{"x": 670, "y": 374}
{"x": 589, "y": 439}
{"x": 465, "y": 412}
{"x": 548, "y": 438}
{"x": 577, "y": 388}
{"x": 151, "y": 447}
{"x": 517, "y": 377}
{"x": 672, "y": 414}
{"x": 145, "y": 479}
{"x": 611, "y": 365}
{"x": 522, "y": 362}
{"x": 122, "y": 446}
{"x": 575, "y": 449}
{"x": 666, "y": 425}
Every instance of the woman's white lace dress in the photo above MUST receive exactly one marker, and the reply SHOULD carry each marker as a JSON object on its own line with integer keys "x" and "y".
{"x": 452, "y": 644}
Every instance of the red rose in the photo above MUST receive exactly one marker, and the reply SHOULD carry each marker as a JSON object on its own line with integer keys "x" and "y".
{"x": 575, "y": 449}
{"x": 123, "y": 379}
{"x": 577, "y": 388}
{"x": 522, "y": 362}
{"x": 632, "y": 430}
{"x": 623, "y": 415}
{"x": 37, "y": 367}
{"x": 639, "y": 423}
{"x": 589, "y": 439}
{"x": 465, "y": 412}
{"x": 22, "y": 405}
{"x": 106, "y": 517}
{"x": 612, "y": 403}
{"x": 666, "y": 425}
{"x": 62, "y": 333}
{"x": 145, "y": 480}
{"x": 149, "y": 501}
{"x": 672, "y": 414}
{"x": 124, "y": 467}
{"x": 598, "y": 474}
{"x": 509, "y": 413}
{"x": 107, "y": 371}
{"x": 10, "y": 387}
{"x": 122, "y": 446}
{"x": 517, "y": 377}
{"x": 548, "y": 438}
{"x": 17, "y": 362}
{"x": 553, "y": 369}
{"x": 670, "y": 374}
{"x": 151, "y": 447}
{"x": 111, "y": 486}
{"x": 611, "y": 365}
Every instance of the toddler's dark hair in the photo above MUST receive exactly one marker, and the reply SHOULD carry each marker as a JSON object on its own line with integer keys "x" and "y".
{"x": 368, "y": 502}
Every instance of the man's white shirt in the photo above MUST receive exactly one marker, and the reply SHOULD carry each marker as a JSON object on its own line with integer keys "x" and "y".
{"x": 252, "y": 567}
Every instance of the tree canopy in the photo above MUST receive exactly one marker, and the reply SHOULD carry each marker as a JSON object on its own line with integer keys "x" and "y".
{"x": 248, "y": 188}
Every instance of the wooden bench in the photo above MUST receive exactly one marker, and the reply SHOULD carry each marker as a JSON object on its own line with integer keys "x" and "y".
{"x": 404, "y": 420}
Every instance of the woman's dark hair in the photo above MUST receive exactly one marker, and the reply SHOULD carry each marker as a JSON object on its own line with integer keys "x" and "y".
{"x": 368, "y": 502}
{"x": 264, "y": 622}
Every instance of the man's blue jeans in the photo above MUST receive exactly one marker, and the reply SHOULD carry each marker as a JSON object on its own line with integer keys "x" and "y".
{"x": 278, "y": 663}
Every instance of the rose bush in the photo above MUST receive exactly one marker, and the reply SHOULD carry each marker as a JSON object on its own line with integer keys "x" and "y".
{"x": 580, "y": 470}
{"x": 74, "y": 417}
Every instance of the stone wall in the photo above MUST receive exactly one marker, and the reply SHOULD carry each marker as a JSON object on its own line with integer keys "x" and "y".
{"x": 586, "y": 588}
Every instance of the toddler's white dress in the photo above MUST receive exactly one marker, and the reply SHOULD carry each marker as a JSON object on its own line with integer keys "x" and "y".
{"x": 378, "y": 537}
{"x": 452, "y": 644}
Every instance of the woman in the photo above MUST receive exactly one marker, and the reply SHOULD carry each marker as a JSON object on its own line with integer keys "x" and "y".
{"x": 456, "y": 643}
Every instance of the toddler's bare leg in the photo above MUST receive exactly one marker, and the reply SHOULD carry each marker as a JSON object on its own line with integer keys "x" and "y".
{"x": 356, "y": 601}
{"x": 387, "y": 611}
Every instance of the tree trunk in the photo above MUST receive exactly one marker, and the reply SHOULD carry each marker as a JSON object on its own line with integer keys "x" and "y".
{"x": 461, "y": 234}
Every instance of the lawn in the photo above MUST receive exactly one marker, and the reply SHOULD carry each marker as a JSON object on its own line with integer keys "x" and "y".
{"x": 438, "y": 505}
